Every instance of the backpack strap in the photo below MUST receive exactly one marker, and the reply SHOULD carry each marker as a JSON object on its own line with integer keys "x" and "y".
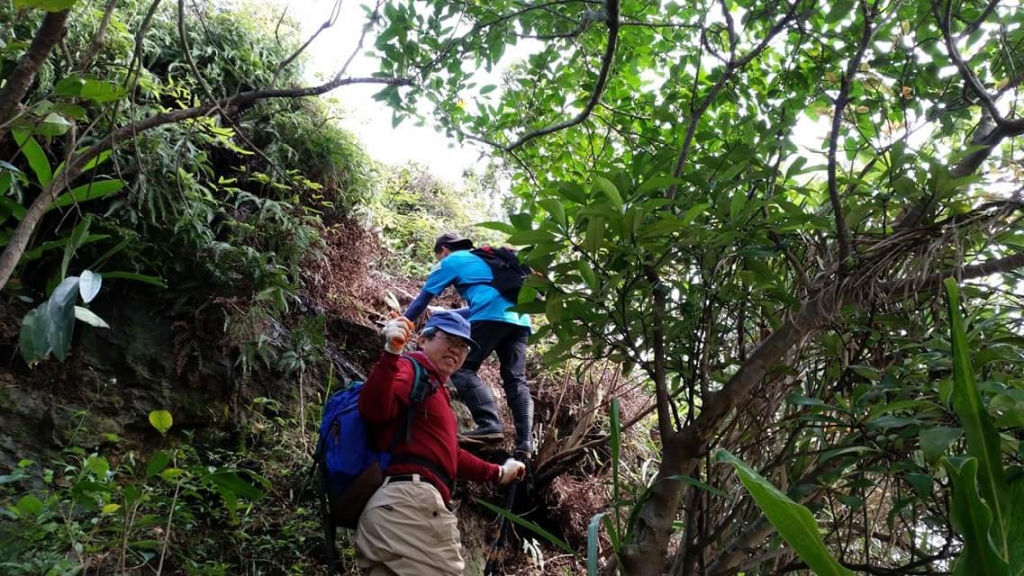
{"x": 421, "y": 388}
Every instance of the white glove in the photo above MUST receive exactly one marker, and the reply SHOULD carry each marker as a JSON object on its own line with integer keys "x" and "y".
{"x": 511, "y": 470}
{"x": 396, "y": 333}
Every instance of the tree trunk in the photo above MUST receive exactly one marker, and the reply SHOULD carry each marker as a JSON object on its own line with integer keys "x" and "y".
{"x": 18, "y": 83}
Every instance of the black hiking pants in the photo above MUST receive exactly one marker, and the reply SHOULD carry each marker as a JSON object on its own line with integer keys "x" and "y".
{"x": 508, "y": 341}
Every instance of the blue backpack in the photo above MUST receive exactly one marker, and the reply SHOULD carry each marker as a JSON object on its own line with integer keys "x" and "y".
{"x": 350, "y": 465}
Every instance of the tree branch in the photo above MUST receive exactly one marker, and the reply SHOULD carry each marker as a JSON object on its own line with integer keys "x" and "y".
{"x": 660, "y": 384}
{"x": 76, "y": 163}
{"x": 970, "y": 78}
{"x": 841, "y": 100}
{"x": 612, "y": 12}
{"x": 327, "y": 24}
{"x": 18, "y": 83}
{"x": 97, "y": 38}
{"x": 732, "y": 67}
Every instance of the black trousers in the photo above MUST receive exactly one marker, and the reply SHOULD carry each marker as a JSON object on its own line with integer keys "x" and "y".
{"x": 508, "y": 341}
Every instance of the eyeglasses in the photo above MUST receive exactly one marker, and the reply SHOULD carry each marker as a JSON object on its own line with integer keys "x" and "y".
{"x": 455, "y": 343}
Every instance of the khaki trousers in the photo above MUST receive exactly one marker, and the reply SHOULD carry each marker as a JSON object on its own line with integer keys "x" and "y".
{"x": 406, "y": 530}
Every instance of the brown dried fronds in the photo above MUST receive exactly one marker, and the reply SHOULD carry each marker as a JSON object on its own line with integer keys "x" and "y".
{"x": 572, "y": 502}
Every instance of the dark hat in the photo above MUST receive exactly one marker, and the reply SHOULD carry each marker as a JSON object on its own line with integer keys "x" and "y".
{"x": 452, "y": 323}
{"x": 453, "y": 241}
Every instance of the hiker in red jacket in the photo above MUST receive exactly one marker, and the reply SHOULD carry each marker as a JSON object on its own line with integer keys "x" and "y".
{"x": 406, "y": 528}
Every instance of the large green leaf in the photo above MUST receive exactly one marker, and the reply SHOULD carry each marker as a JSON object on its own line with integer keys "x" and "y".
{"x": 47, "y": 5}
{"x": 935, "y": 441}
{"x": 972, "y": 519}
{"x": 979, "y": 429}
{"x": 33, "y": 340}
{"x": 794, "y": 522}
{"x": 61, "y": 311}
{"x": 86, "y": 192}
{"x": 527, "y": 237}
{"x": 610, "y": 191}
{"x": 1015, "y": 531}
{"x": 33, "y": 152}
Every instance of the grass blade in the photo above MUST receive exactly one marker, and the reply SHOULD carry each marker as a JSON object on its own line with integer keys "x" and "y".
{"x": 528, "y": 525}
{"x": 979, "y": 430}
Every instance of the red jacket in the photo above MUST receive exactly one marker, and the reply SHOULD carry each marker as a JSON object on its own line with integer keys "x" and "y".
{"x": 383, "y": 403}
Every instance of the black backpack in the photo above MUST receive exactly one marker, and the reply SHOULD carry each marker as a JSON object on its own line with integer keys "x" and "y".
{"x": 509, "y": 273}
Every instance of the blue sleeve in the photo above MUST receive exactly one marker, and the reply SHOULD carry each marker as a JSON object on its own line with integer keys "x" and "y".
{"x": 417, "y": 306}
{"x": 444, "y": 274}
{"x": 441, "y": 277}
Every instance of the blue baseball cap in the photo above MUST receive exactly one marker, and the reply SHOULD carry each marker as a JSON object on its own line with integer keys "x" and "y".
{"x": 451, "y": 323}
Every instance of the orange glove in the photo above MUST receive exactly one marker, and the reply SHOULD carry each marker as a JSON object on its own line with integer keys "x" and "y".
{"x": 397, "y": 332}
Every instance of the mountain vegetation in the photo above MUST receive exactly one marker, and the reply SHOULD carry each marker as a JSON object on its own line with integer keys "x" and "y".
{"x": 777, "y": 244}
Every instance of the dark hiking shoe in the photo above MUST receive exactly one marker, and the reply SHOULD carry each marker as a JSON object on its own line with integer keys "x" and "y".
{"x": 488, "y": 435}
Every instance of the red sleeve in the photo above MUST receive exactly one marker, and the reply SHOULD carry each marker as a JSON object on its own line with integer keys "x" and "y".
{"x": 474, "y": 469}
{"x": 378, "y": 402}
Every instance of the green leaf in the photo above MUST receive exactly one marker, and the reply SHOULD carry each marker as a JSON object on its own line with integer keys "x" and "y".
{"x": 499, "y": 226}
{"x": 594, "y": 235}
{"x": 87, "y": 192}
{"x": 1015, "y": 534}
{"x": 555, "y": 209}
{"x": 693, "y": 211}
{"x": 610, "y": 191}
{"x": 161, "y": 420}
{"x": 229, "y": 483}
{"x": 89, "y": 285}
{"x": 972, "y": 518}
{"x": 658, "y": 183}
{"x": 48, "y": 5}
{"x": 33, "y": 341}
{"x": 157, "y": 463}
{"x": 588, "y": 274}
{"x": 739, "y": 200}
{"x": 101, "y": 91}
{"x": 528, "y": 525}
{"x": 528, "y": 237}
{"x": 573, "y": 192}
{"x": 593, "y": 539}
{"x": 553, "y": 309}
{"x": 78, "y": 236}
{"x": 33, "y": 152}
{"x": 61, "y": 310}
{"x": 29, "y": 506}
{"x": 794, "y": 522}
{"x": 840, "y": 9}
{"x": 89, "y": 317}
{"x": 53, "y": 125}
{"x": 979, "y": 429}
{"x": 153, "y": 280}
{"x": 935, "y": 441}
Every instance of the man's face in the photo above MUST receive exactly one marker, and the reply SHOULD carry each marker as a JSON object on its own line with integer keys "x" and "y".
{"x": 442, "y": 253}
{"x": 445, "y": 351}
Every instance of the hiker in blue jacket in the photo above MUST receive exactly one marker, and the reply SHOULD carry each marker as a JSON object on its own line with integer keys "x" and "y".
{"x": 496, "y": 329}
